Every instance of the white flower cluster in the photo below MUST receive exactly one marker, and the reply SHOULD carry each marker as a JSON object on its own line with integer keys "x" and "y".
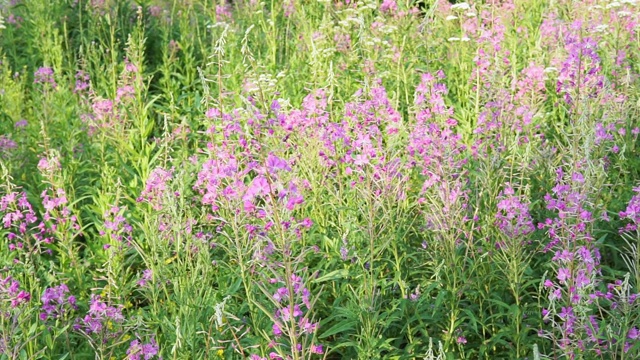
{"x": 463, "y": 6}
{"x": 464, "y": 39}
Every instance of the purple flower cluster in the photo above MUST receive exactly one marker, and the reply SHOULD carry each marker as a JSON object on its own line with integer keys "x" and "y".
{"x": 125, "y": 93}
{"x": 313, "y": 349}
{"x": 291, "y": 320}
{"x": 6, "y": 145}
{"x": 576, "y": 262}
{"x": 101, "y": 318}
{"x": 82, "y": 81}
{"x": 11, "y": 294}
{"x": 632, "y": 212}
{"x": 218, "y": 178}
{"x": 513, "y": 217}
{"x": 21, "y": 124}
{"x": 223, "y": 180}
{"x": 147, "y": 276}
{"x": 103, "y": 109}
{"x": 18, "y": 216}
{"x": 57, "y": 217}
{"x": 437, "y": 153}
{"x": 48, "y": 166}
{"x": 433, "y": 145}
{"x": 579, "y": 73}
{"x": 389, "y": 6}
{"x": 156, "y": 187}
{"x": 44, "y": 75}
{"x": 531, "y": 83}
{"x": 619, "y": 302}
{"x": 57, "y": 303}
{"x": 109, "y": 114}
{"x": 138, "y": 350}
{"x": 285, "y": 314}
{"x": 429, "y": 98}
{"x": 572, "y": 224}
{"x": 309, "y": 119}
{"x": 116, "y": 225}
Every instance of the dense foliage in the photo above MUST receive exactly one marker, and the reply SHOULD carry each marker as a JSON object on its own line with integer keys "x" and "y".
{"x": 330, "y": 179}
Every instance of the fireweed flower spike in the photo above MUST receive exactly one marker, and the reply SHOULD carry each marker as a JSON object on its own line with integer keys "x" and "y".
{"x": 44, "y": 75}
{"x": 19, "y": 219}
{"x": 10, "y": 294}
{"x": 57, "y": 303}
{"x": 138, "y": 350}
{"x": 513, "y": 217}
{"x": 292, "y": 316}
{"x": 156, "y": 187}
{"x": 100, "y": 317}
{"x": 632, "y": 212}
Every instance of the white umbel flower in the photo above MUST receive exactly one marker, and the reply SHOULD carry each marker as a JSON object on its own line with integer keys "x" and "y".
{"x": 600, "y": 28}
{"x": 461, "y": 6}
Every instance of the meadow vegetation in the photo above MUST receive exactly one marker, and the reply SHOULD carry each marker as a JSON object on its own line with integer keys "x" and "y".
{"x": 319, "y": 179}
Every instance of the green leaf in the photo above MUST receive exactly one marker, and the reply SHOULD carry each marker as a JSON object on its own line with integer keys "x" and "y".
{"x": 338, "y": 328}
{"x": 334, "y": 275}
